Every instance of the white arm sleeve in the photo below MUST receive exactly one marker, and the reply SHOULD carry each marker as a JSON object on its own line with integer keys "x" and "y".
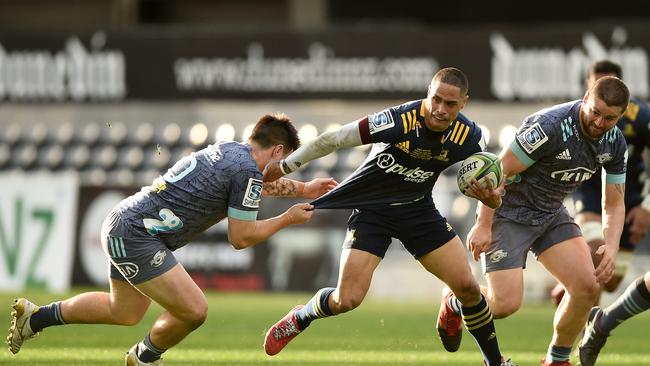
{"x": 346, "y": 136}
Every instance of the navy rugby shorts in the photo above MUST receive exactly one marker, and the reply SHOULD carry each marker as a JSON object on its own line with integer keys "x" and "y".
{"x": 419, "y": 226}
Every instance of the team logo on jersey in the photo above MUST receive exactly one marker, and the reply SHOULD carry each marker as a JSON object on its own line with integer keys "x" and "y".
{"x": 386, "y": 162}
{"x": 253, "y": 194}
{"x": 128, "y": 269}
{"x": 380, "y": 121}
{"x": 579, "y": 174}
{"x": 603, "y": 158}
{"x": 532, "y": 138}
{"x": 158, "y": 258}
{"x": 498, "y": 256}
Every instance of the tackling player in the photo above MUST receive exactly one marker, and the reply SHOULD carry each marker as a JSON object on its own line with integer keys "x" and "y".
{"x": 141, "y": 232}
{"x": 391, "y": 197}
{"x": 554, "y": 151}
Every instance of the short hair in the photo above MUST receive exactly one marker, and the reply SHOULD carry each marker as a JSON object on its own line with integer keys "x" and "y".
{"x": 605, "y": 67}
{"x": 275, "y": 129}
{"x": 612, "y": 91}
{"x": 452, "y": 76}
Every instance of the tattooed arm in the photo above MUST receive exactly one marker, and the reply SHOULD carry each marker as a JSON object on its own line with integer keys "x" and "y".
{"x": 285, "y": 187}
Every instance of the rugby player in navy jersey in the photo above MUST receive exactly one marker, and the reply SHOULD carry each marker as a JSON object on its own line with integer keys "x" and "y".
{"x": 554, "y": 151}
{"x": 141, "y": 232}
{"x": 635, "y": 125}
{"x": 391, "y": 197}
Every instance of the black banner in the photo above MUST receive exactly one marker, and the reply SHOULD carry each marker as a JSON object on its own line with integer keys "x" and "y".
{"x": 502, "y": 64}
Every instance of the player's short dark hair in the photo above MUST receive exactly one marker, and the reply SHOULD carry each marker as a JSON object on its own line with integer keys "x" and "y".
{"x": 605, "y": 67}
{"x": 275, "y": 129}
{"x": 453, "y": 76}
{"x": 612, "y": 91}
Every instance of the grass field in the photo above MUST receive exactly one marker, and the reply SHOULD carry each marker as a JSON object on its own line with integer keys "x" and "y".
{"x": 378, "y": 333}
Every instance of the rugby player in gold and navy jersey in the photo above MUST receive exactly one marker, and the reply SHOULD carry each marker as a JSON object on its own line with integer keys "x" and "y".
{"x": 391, "y": 197}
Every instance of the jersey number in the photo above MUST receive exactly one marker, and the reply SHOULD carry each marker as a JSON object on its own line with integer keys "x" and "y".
{"x": 170, "y": 222}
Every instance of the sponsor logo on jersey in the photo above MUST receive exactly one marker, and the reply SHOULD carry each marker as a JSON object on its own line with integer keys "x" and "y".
{"x": 404, "y": 146}
{"x": 253, "y": 193}
{"x": 603, "y": 158}
{"x": 498, "y": 256}
{"x": 532, "y": 138}
{"x": 564, "y": 155}
{"x": 158, "y": 258}
{"x": 579, "y": 174}
{"x": 387, "y": 162}
{"x": 449, "y": 228}
{"x": 128, "y": 269}
{"x": 380, "y": 121}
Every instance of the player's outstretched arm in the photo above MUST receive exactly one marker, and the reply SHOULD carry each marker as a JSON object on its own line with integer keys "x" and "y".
{"x": 613, "y": 220}
{"x": 243, "y": 234}
{"x": 285, "y": 187}
{"x": 346, "y": 136}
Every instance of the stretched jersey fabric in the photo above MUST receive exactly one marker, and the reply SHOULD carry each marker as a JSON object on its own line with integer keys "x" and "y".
{"x": 635, "y": 125}
{"x": 560, "y": 157}
{"x": 198, "y": 191}
{"x": 405, "y": 160}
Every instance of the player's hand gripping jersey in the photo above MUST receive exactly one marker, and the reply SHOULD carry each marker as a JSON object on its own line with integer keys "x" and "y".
{"x": 406, "y": 158}
{"x": 197, "y": 192}
{"x": 560, "y": 157}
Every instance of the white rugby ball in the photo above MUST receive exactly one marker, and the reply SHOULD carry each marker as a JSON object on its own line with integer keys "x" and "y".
{"x": 483, "y": 166}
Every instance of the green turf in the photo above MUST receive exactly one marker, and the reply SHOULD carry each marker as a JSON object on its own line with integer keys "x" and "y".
{"x": 378, "y": 333}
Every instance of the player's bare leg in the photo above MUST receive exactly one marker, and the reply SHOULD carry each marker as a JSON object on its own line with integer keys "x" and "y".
{"x": 124, "y": 305}
{"x": 449, "y": 264}
{"x": 186, "y": 309}
{"x": 570, "y": 263}
{"x": 355, "y": 276}
{"x": 505, "y": 291}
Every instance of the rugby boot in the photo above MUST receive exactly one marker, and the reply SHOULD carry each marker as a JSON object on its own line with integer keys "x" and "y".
{"x": 131, "y": 359}
{"x": 20, "y": 330}
{"x": 282, "y": 332}
{"x": 504, "y": 362}
{"x": 450, "y": 325}
{"x": 593, "y": 339}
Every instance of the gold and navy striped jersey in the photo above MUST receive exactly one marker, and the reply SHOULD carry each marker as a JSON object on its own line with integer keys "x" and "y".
{"x": 405, "y": 160}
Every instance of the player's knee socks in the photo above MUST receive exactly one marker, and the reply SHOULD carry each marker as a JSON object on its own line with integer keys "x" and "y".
{"x": 557, "y": 353}
{"x": 46, "y": 316}
{"x": 478, "y": 321}
{"x": 146, "y": 350}
{"x": 635, "y": 300}
{"x": 316, "y": 308}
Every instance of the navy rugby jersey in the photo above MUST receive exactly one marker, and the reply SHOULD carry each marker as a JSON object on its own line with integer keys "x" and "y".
{"x": 635, "y": 125}
{"x": 405, "y": 160}
{"x": 198, "y": 191}
{"x": 560, "y": 157}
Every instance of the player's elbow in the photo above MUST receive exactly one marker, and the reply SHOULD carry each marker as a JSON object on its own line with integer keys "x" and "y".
{"x": 240, "y": 241}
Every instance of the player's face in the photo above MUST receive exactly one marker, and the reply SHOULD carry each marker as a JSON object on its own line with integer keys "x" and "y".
{"x": 596, "y": 117}
{"x": 444, "y": 102}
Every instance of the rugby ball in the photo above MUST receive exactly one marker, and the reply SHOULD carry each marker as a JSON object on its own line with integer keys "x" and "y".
{"x": 482, "y": 166}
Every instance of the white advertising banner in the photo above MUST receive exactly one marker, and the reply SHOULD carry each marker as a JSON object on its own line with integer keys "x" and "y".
{"x": 37, "y": 221}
